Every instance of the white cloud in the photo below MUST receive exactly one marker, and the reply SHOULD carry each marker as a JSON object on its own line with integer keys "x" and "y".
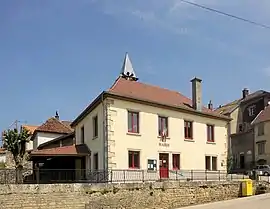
{"x": 169, "y": 14}
{"x": 179, "y": 18}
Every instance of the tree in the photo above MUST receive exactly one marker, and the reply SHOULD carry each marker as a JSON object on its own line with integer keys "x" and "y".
{"x": 15, "y": 142}
{"x": 230, "y": 163}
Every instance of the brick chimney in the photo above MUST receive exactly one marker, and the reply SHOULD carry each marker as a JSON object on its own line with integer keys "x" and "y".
{"x": 210, "y": 105}
{"x": 245, "y": 93}
{"x": 196, "y": 93}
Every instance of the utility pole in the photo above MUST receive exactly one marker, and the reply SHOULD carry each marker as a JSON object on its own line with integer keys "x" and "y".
{"x": 15, "y": 123}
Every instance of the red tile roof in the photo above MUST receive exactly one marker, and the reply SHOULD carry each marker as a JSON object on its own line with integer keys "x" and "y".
{"x": 3, "y": 150}
{"x": 154, "y": 94}
{"x": 30, "y": 128}
{"x": 230, "y": 107}
{"x": 55, "y": 126}
{"x": 263, "y": 116}
{"x": 73, "y": 150}
{"x": 150, "y": 94}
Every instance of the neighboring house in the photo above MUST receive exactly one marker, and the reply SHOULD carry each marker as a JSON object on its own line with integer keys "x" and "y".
{"x": 262, "y": 136}
{"x": 55, "y": 153}
{"x": 51, "y": 129}
{"x": 31, "y": 129}
{"x": 243, "y": 111}
{"x": 134, "y": 126}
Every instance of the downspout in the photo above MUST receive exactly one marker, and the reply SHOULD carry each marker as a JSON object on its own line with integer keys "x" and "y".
{"x": 229, "y": 151}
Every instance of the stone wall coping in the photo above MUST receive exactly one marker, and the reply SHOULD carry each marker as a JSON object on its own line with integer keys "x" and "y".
{"x": 87, "y": 187}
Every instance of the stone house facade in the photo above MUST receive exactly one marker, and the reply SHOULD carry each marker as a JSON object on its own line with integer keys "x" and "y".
{"x": 243, "y": 111}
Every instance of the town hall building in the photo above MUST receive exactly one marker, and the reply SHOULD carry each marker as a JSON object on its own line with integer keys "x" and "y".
{"x": 138, "y": 126}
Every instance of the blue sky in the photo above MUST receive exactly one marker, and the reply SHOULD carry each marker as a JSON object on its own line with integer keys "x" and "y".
{"x": 58, "y": 55}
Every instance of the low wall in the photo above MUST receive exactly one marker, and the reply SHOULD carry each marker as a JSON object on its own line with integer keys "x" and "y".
{"x": 163, "y": 195}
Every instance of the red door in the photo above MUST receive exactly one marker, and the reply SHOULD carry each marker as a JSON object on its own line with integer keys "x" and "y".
{"x": 164, "y": 165}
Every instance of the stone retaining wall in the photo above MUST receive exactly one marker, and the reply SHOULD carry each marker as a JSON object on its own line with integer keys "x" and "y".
{"x": 162, "y": 195}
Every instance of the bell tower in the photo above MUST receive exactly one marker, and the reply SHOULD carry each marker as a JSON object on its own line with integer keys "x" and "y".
{"x": 127, "y": 70}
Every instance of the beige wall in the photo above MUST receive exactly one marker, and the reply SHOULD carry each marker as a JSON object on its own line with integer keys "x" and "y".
{"x": 42, "y": 137}
{"x": 96, "y": 145}
{"x": 235, "y": 120}
{"x": 192, "y": 153}
{"x": 265, "y": 137}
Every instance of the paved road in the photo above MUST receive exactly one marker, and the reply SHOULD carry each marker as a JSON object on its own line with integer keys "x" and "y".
{"x": 255, "y": 202}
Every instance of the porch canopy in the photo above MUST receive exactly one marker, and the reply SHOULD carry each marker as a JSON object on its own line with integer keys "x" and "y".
{"x": 59, "y": 164}
{"x": 81, "y": 150}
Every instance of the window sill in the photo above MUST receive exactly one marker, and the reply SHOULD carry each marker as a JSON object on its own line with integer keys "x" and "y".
{"x": 208, "y": 142}
{"x": 134, "y": 169}
{"x": 161, "y": 137}
{"x": 189, "y": 140}
{"x": 176, "y": 169}
{"x": 151, "y": 171}
{"x": 95, "y": 137}
{"x": 133, "y": 134}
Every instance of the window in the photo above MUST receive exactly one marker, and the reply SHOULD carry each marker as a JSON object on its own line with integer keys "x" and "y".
{"x": 211, "y": 163}
{"x": 207, "y": 163}
{"x": 162, "y": 125}
{"x": 96, "y": 161}
{"x": 188, "y": 129}
{"x": 82, "y": 135}
{"x": 176, "y": 161}
{"x": 261, "y": 148}
{"x": 133, "y": 159}
{"x": 214, "y": 163}
{"x": 251, "y": 110}
{"x": 95, "y": 126}
{"x": 210, "y": 133}
{"x": 240, "y": 127}
{"x": 133, "y": 122}
{"x": 261, "y": 129}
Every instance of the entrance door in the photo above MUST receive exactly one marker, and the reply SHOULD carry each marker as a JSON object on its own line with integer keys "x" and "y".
{"x": 242, "y": 161}
{"x": 164, "y": 165}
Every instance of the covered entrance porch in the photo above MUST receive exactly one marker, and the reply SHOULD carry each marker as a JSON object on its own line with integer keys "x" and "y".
{"x": 59, "y": 165}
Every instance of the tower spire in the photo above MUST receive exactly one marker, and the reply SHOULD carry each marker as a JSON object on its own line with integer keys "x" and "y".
{"x": 127, "y": 70}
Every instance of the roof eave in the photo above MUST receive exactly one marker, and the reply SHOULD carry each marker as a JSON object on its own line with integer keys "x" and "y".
{"x": 88, "y": 109}
{"x": 104, "y": 94}
{"x": 188, "y": 110}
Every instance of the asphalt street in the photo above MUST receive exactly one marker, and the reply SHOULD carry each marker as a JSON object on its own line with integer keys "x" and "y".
{"x": 254, "y": 202}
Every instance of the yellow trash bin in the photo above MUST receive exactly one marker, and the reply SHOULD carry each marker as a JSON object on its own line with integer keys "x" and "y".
{"x": 247, "y": 187}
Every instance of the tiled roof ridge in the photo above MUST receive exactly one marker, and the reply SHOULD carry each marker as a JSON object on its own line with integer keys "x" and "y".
{"x": 66, "y": 124}
{"x": 30, "y": 125}
{"x": 114, "y": 83}
{"x": 242, "y": 99}
{"x": 139, "y": 91}
{"x": 263, "y": 116}
{"x": 40, "y": 128}
{"x": 150, "y": 85}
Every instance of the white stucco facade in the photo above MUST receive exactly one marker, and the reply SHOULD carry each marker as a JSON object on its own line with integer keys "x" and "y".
{"x": 29, "y": 144}
{"x": 42, "y": 137}
{"x": 192, "y": 152}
